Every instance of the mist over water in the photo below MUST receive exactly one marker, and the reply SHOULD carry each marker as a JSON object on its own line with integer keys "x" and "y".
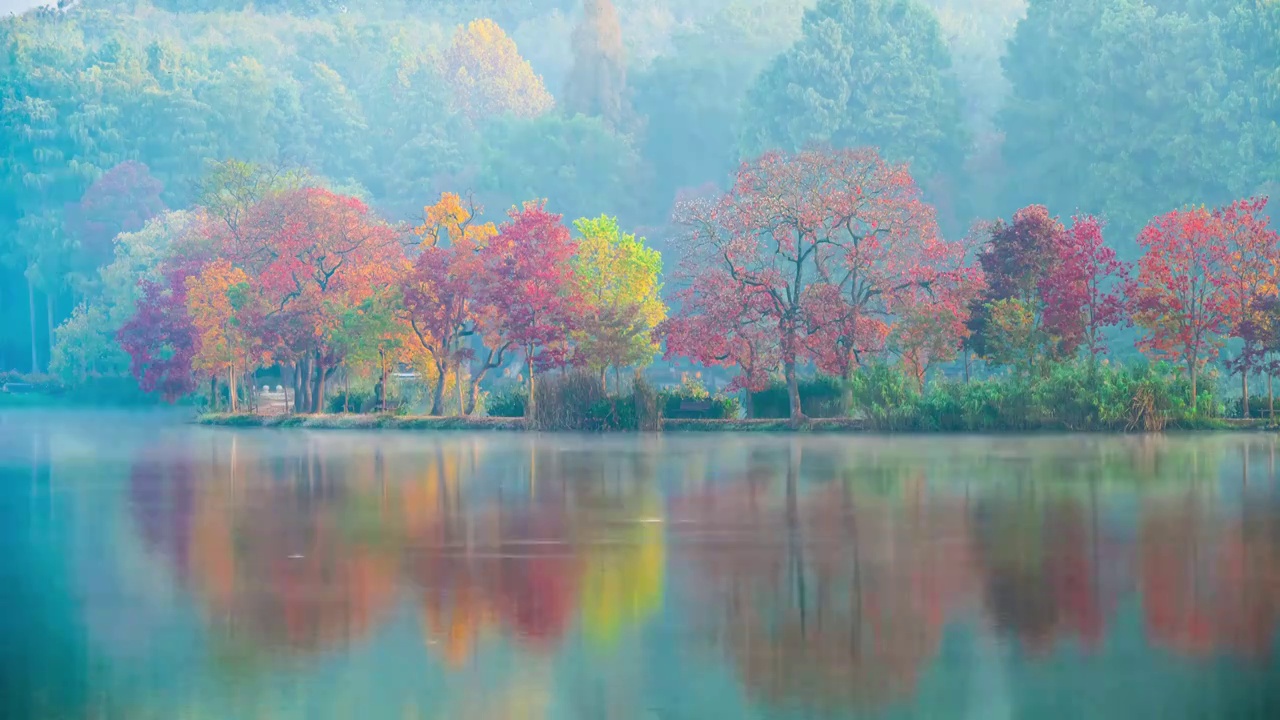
{"x": 164, "y": 570}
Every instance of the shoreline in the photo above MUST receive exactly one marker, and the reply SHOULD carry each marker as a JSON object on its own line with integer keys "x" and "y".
{"x": 814, "y": 425}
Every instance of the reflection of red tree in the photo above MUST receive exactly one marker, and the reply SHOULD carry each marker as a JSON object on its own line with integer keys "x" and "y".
{"x": 479, "y": 567}
{"x": 1177, "y": 570}
{"x": 1208, "y": 585}
{"x": 538, "y": 576}
{"x": 839, "y": 602}
{"x": 162, "y": 501}
{"x": 1043, "y": 581}
{"x": 269, "y": 561}
{"x": 296, "y": 581}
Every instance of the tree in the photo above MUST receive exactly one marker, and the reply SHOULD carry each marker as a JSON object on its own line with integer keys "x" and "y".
{"x": 85, "y": 344}
{"x": 692, "y": 98}
{"x": 618, "y": 280}
{"x": 1179, "y": 299}
{"x": 1012, "y": 335}
{"x": 717, "y": 323}
{"x": 531, "y": 299}
{"x": 1250, "y": 269}
{"x": 1017, "y": 257}
{"x": 578, "y": 164}
{"x": 863, "y": 73}
{"x": 122, "y": 200}
{"x": 441, "y": 293}
{"x": 488, "y": 77}
{"x": 1084, "y": 289}
{"x": 597, "y": 82}
{"x": 313, "y": 254}
{"x": 211, "y": 302}
{"x": 834, "y": 239}
{"x": 930, "y": 325}
{"x": 1132, "y": 86}
{"x": 160, "y": 338}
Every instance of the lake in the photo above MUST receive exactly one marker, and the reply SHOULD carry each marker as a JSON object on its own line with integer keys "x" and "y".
{"x": 157, "y": 570}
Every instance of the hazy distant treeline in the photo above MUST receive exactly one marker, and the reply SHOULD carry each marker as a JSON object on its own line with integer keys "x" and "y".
{"x": 1121, "y": 108}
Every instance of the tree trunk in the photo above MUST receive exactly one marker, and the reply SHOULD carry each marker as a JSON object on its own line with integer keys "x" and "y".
{"x": 793, "y": 390}
{"x": 346, "y": 391}
{"x": 213, "y": 393}
{"x": 531, "y": 404}
{"x": 317, "y": 390}
{"x": 457, "y": 384}
{"x": 437, "y": 400}
{"x": 1195, "y": 406}
{"x": 48, "y": 316}
{"x": 31, "y": 305}
{"x": 966, "y": 364}
{"x": 748, "y": 405}
{"x": 1244, "y": 394}
{"x": 604, "y": 380}
{"x": 231, "y": 387}
{"x": 302, "y": 400}
{"x": 1271, "y": 400}
{"x": 617, "y": 381}
{"x": 382, "y": 365}
{"x": 474, "y": 395}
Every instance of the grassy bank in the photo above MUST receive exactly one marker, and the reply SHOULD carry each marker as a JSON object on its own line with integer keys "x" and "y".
{"x": 811, "y": 425}
{"x": 358, "y": 422}
{"x": 412, "y": 422}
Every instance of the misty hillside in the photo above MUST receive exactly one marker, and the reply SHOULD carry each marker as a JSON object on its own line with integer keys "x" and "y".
{"x": 1115, "y": 107}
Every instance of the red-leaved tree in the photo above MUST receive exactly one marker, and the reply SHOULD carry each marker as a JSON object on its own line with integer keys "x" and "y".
{"x": 1178, "y": 299}
{"x": 528, "y": 298}
{"x": 161, "y": 337}
{"x": 833, "y": 238}
{"x": 716, "y": 323}
{"x": 1084, "y": 289}
{"x": 1018, "y": 255}
{"x": 312, "y": 254}
{"x": 122, "y": 200}
{"x": 1249, "y": 272}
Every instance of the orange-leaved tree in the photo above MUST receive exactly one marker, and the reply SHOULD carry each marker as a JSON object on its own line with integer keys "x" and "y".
{"x": 321, "y": 253}
{"x": 222, "y": 346}
{"x": 440, "y": 294}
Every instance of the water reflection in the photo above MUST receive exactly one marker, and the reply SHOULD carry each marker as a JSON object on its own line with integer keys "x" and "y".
{"x": 225, "y": 574}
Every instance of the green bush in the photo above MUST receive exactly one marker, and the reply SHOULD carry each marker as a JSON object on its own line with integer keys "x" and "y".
{"x": 507, "y": 404}
{"x": 1258, "y": 407}
{"x": 358, "y": 400}
{"x": 723, "y": 407}
{"x": 820, "y": 397}
{"x": 1070, "y": 396}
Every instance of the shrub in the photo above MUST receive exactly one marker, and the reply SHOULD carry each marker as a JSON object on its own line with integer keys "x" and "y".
{"x": 723, "y": 407}
{"x": 507, "y": 404}
{"x": 1258, "y": 407}
{"x": 648, "y": 404}
{"x": 1070, "y": 396}
{"x": 567, "y": 401}
{"x": 820, "y": 397}
{"x": 360, "y": 400}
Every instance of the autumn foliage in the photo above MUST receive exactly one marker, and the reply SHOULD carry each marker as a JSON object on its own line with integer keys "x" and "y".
{"x": 823, "y": 260}
{"x": 829, "y": 249}
{"x": 488, "y": 77}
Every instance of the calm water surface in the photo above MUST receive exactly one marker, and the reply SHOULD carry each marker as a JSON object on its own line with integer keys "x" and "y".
{"x": 155, "y": 570}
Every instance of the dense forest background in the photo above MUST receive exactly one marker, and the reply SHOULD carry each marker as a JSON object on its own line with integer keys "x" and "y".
{"x": 1121, "y": 108}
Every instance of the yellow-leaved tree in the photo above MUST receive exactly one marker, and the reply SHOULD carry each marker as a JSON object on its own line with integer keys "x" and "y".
{"x": 618, "y": 276}
{"x": 213, "y": 297}
{"x": 488, "y": 77}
